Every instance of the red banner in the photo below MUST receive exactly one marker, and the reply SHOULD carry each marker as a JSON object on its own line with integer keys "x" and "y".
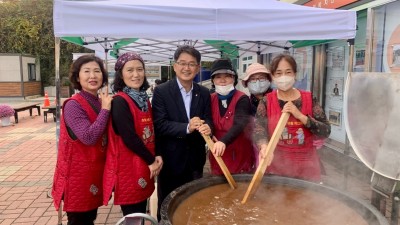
{"x": 329, "y": 4}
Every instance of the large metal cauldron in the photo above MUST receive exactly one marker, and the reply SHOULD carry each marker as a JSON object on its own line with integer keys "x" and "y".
{"x": 365, "y": 210}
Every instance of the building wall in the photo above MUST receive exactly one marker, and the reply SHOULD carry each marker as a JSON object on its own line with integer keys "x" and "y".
{"x": 10, "y": 69}
{"x": 14, "y": 76}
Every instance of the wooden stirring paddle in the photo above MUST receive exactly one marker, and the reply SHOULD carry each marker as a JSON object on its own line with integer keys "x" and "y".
{"x": 220, "y": 162}
{"x": 255, "y": 182}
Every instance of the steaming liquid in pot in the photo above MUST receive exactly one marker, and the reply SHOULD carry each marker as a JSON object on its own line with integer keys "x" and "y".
{"x": 271, "y": 205}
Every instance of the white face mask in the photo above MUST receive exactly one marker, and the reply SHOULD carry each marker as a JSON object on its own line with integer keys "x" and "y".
{"x": 224, "y": 90}
{"x": 284, "y": 82}
{"x": 259, "y": 87}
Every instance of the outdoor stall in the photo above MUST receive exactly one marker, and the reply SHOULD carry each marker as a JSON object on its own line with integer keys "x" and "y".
{"x": 154, "y": 28}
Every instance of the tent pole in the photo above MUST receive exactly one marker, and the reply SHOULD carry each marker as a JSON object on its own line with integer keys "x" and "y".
{"x": 201, "y": 78}
{"x": 346, "y": 151}
{"x": 106, "y": 53}
{"x": 57, "y": 76}
{"x": 370, "y": 36}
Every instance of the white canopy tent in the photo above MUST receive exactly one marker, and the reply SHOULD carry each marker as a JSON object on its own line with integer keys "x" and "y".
{"x": 159, "y": 26}
{"x": 258, "y": 20}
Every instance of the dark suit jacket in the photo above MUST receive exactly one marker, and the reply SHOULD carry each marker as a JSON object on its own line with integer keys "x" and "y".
{"x": 180, "y": 151}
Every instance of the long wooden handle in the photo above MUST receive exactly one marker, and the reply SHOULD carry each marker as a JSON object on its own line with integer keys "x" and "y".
{"x": 255, "y": 182}
{"x": 221, "y": 163}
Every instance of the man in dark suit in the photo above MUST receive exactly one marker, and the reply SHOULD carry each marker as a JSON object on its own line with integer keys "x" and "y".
{"x": 181, "y": 113}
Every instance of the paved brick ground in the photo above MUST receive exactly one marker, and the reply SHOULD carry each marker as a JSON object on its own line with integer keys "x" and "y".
{"x": 27, "y": 159}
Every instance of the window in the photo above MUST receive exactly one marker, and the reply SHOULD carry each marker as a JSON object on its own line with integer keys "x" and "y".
{"x": 31, "y": 72}
{"x": 246, "y": 61}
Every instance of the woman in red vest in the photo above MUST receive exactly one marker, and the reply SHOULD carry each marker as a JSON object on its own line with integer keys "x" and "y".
{"x": 78, "y": 177}
{"x": 131, "y": 164}
{"x": 295, "y": 155}
{"x": 231, "y": 113}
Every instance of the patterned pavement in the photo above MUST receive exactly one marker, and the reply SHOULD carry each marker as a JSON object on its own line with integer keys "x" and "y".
{"x": 27, "y": 160}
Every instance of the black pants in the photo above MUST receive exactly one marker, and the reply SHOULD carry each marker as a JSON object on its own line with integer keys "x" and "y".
{"x": 134, "y": 208}
{"x": 82, "y": 218}
{"x": 167, "y": 182}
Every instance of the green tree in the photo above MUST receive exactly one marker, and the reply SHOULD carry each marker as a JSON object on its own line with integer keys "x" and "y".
{"x": 26, "y": 27}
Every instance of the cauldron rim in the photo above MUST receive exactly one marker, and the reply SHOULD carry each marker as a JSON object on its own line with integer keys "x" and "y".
{"x": 367, "y": 211}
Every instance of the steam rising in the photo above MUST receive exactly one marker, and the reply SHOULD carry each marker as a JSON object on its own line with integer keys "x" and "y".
{"x": 372, "y": 120}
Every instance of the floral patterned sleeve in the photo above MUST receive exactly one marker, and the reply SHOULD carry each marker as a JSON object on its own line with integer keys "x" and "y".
{"x": 260, "y": 133}
{"x": 318, "y": 123}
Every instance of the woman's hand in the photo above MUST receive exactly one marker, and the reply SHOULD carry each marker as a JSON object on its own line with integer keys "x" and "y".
{"x": 218, "y": 148}
{"x": 160, "y": 162}
{"x": 105, "y": 98}
{"x": 263, "y": 155}
{"x": 155, "y": 167}
{"x": 292, "y": 109}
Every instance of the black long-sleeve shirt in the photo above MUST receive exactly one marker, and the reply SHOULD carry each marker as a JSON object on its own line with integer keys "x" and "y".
{"x": 124, "y": 126}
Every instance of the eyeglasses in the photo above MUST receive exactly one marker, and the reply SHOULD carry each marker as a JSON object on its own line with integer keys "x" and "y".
{"x": 185, "y": 64}
{"x": 257, "y": 79}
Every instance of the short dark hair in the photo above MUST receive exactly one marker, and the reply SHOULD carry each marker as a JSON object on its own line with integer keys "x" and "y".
{"x": 275, "y": 62}
{"x": 189, "y": 50}
{"x": 119, "y": 84}
{"x": 76, "y": 67}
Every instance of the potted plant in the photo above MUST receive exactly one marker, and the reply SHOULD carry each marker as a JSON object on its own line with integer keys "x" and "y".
{"x": 6, "y": 112}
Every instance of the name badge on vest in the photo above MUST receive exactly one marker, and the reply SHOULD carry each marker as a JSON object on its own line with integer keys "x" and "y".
{"x": 142, "y": 182}
{"x": 94, "y": 189}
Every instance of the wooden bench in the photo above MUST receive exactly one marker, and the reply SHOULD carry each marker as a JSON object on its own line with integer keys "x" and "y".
{"x": 51, "y": 109}
{"x": 25, "y": 106}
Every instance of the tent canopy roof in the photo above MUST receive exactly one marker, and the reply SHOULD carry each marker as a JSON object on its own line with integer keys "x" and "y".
{"x": 158, "y": 50}
{"x": 162, "y": 25}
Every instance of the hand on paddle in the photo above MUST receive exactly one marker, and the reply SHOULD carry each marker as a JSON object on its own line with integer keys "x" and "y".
{"x": 218, "y": 148}
{"x": 262, "y": 148}
{"x": 197, "y": 124}
{"x": 291, "y": 108}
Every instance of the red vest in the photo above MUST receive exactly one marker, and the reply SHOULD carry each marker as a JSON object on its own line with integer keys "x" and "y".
{"x": 239, "y": 156}
{"x": 126, "y": 172}
{"x": 78, "y": 175}
{"x": 295, "y": 155}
